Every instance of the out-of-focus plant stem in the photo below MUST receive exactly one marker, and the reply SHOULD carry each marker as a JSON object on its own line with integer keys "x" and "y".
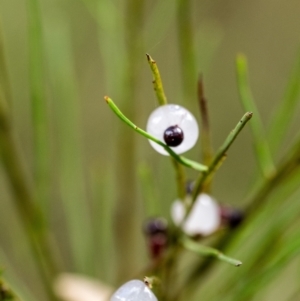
{"x": 67, "y": 110}
{"x": 30, "y": 214}
{"x": 283, "y": 114}
{"x": 4, "y": 76}
{"x": 126, "y": 217}
{"x": 206, "y": 146}
{"x": 289, "y": 166}
{"x": 207, "y": 152}
{"x": 186, "y": 47}
{"x": 38, "y": 102}
{"x": 263, "y": 153}
{"x": 219, "y": 157}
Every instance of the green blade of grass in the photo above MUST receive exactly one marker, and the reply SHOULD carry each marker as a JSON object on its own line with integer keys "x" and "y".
{"x": 262, "y": 151}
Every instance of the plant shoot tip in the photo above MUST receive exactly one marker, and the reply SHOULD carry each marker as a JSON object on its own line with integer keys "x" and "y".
{"x": 150, "y": 59}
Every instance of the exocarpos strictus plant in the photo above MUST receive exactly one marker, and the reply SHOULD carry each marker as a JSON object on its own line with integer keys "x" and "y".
{"x": 199, "y": 224}
{"x": 196, "y": 215}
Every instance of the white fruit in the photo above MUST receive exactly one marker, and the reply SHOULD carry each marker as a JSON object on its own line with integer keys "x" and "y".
{"x": 171, "y": 115}
{"x": 204, "y": 219}
{"x": 134, "y": 290}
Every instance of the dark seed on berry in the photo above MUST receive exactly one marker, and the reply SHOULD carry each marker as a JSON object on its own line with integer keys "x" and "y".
{"x": 173, "y": 135}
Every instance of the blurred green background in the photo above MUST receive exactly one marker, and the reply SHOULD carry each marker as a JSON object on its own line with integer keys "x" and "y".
{"x": 97, "y": 181}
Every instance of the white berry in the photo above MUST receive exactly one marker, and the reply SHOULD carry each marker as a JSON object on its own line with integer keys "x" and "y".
{"x": 173, "y": 115}
{"x": 204, "y": 219}
{"x": 134, "y": 290}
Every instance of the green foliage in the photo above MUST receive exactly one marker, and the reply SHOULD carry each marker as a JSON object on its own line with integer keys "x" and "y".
{"x": 74, "y": 193}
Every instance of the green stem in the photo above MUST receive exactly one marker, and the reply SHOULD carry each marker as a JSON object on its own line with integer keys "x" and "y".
{"x": 180, "y": 179}
{"x": 219, "y": 157}
{"x": 206, "y": 145}
{"x": 283, "y": 114}
{"x": 287, "y": 168}
{"x": 208, "y": 251}
{"x": 126, "y": 205}
{"x": 186, "y": 43}
{"x": 157, "y": 83}
{"x": 180, "y": 159}
{"x": 4, "y": 76}
{"x": 263, "y": 154}
{"x": 38, "y": 101}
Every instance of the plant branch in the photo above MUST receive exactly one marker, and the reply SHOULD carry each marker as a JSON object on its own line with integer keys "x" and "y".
{"x": 287, "y": 168}
{"x": 219, "y": 157}
{"x": 180, "y": 159}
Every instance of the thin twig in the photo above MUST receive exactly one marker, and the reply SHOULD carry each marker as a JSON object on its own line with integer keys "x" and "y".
{"x": 219, "y": 157}
{"x": 207, "y": 151}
